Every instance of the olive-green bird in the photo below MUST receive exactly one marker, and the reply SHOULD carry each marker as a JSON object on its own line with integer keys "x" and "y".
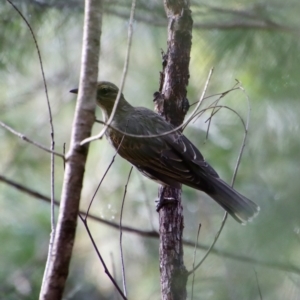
{"x": 168, "y": 159}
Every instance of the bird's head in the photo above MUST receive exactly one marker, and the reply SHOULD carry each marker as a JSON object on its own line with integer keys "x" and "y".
{"x": 106, "y": 95}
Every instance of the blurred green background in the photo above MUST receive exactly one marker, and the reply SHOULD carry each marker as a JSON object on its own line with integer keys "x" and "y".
{"x": 256, "y": 42}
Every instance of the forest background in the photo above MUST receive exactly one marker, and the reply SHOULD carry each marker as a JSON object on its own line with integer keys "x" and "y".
{"x": 256, "y": 43}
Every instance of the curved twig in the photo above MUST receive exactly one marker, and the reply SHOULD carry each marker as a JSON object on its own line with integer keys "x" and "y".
{"x": 125, "y": 69}
{"x": 84, "y": 221}
{"x": 281, "y": 266}
{"x": 53, "y": 225}
{"x": 99, "y": 136}
{"x": 246, "y": 126}
{"x": 121, "y": 234}
{"x": 28, "y": 140}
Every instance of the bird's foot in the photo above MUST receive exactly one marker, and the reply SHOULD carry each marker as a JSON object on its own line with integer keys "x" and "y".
{"x": 163, "y": 201}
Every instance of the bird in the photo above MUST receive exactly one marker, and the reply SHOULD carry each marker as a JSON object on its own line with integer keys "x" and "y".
{"x": 169, "y": 159}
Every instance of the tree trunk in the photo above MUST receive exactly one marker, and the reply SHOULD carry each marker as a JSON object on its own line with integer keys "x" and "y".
{"x": 171, "y": 103}
{"x": 57, "y": 271}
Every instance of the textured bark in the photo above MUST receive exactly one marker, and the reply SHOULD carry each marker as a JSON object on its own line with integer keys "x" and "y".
{"x": 171, "y": 103}
{"x": 56, "y": 276}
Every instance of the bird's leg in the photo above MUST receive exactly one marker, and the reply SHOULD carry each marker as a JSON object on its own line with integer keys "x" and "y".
{"x": 163, "y": 201}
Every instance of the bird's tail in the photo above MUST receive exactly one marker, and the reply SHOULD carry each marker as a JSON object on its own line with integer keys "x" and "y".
{"x": 239, "y": 207}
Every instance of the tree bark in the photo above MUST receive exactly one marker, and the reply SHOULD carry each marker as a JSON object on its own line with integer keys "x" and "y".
{"x": 57, "y": 272}
{"x": 171, "y": 103}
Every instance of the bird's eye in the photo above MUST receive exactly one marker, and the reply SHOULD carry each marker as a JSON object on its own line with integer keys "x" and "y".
{"x": 104, "y": 91}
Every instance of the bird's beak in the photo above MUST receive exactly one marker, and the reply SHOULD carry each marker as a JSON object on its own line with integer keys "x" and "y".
{"x": 74, "y": 91}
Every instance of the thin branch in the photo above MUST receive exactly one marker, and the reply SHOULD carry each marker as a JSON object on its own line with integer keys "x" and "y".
{"x": 214, "y": 111}
{"x": 53, "y": 224}
{"x": 248, "y": 14}
{"x": 64, "y": 153}
{"x": 213, "y": 105}
{"x": 98, "y": 136}
{"x": 250, "y": 25}
{"x": 241, "y": 19}
{"x": 125, "y": 69}
{"x": 194, "y": 260}
{"x": 144, "y": 17}
{"x": 154, "y": 234}
{"x": 239, "y": 23}
{"x": 191, "y": 117}
{"x": 114, "y": 273}
{"x": 37, "y": 195}
{"x": 219, "y": 108}
{"x": 121, "y": 234}
{"x": 246, "y": 127}
{"x": 43, "y": 74}
{"x": 104, "y": 175}
{"x": 217, "y": 94}
{"x": 84, "y": 221}
{"x": 147, "y": 201}
{"x": 28, "y": 140}
{"x": 209, "y": 250}
{"x": 244, "y": 139}
{"x": 258, "y": 286}
{"x": 195, "y": 114}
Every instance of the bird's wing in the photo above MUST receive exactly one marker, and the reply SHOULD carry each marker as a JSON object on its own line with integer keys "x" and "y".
{"x": 169, "y": 159}
{"x": 190, "y": 155}
{"x": 148, "y": 155}
{"x": 191, "y": 168}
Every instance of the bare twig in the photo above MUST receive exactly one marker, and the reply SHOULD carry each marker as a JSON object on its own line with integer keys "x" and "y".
{"x": 53, "y": 224}
{"x": 215, "y": 95}
{"x": 250, "y": 25}
{"x": 44, "y": 82}
{"x": 194, "y": 260}
{"x": 246, "y": 126}
{"x": 191, "y": 117}
{"x": 258, "y": 286}
{"x": 84, "y": 221}
{"x": 239, "y": 22}
{"x": 195, "y": 114}
{"x": 114, "y": 273}
{"x": 209, "y": 250}
{"x": 147, "y": 201}
{"x": 154, "y": 234}
{"x": 213, "y": 105}
{"x": 28, "y": 140}
{"x": 160, "y": 134}
{"x": 37, "y": 195}
{"x": 121, "y": 235}
{"x": 64, "y": 153}
{"x": 214, "y": 111}
{"x": 104, "y": 175}
{"x": 125, "y": 69}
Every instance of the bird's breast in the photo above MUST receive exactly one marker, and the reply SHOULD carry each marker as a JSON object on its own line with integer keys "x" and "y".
{"x": 114, "y": 138}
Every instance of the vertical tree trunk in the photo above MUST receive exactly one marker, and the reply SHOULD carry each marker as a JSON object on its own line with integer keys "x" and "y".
{"x": 57, "y": 271}
{"x": 171, "y": 102}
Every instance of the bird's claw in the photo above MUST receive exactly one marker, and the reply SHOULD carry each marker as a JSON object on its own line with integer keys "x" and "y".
{"x": 163, "y": 201}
